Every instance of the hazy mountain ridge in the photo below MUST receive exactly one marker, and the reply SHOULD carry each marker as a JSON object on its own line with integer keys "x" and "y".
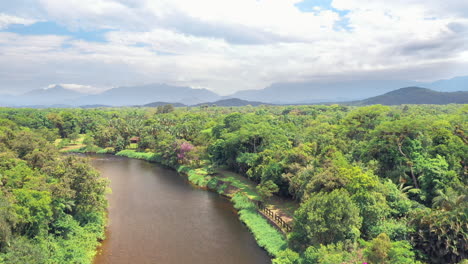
{"x": 56, "y": 95}
{"x": 316, "y": 92}
{"x": 139, "y": 95}
{"x": 233, "y": 102}
{"x": 416, "y": 95}
{"x": 156, "y": 104}
{"x": 455, "y": 84}
{"x": 279, "y": 93}
{"x": 121, "y": 96}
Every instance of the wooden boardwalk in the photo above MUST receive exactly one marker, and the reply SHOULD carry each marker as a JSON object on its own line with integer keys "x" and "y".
{"x": 273, "y": 217}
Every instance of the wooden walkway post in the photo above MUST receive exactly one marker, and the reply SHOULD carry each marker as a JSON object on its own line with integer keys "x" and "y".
{"x": 273, "y": 216}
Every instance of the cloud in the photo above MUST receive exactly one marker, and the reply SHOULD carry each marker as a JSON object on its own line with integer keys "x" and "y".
{"x": 88, "y": 89}
{"x": 7, "y": 20}
{"x": 231, "y": 45}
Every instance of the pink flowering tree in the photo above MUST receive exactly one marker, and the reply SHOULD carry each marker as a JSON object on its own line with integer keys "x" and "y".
{"x": 183, "y": 149}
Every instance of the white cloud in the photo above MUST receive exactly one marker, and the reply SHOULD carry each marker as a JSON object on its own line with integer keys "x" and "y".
{"x": 7, "y": 20}
{"x": 230, "y": 45}
{"x": 88, "y": 89}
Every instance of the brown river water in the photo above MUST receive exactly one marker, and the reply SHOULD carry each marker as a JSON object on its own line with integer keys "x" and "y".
{"x": 156, "y": 216}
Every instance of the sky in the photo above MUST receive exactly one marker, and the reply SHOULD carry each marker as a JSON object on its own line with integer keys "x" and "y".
{"x": 226, "y": 45}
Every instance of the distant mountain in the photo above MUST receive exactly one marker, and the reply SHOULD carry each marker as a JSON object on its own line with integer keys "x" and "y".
{"x": 233, "y": 102}
{"x": 156, "y": 104}
{"x": 278, "y": 93}
{"x": 416, "y": 95}
{"x": 450, "y": 85}
{"x": 56, "y": 95}
{"x": 140, "y": 95}
{"x": 46, "y": 106}
{"x": 56, "y": 91}
{"x": 316, "y": 92}
{"x": 94, "y": 106}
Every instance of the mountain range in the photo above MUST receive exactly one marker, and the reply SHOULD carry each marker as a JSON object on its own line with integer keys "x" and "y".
{"x": 316, "y": 92}
{"x": 416, "y": 95}
{"x": 278, "y": 93}
{"x": 232, "y": 102}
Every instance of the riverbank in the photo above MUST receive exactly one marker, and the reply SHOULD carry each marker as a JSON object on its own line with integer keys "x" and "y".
{"x": 240, "y": 191}
{"x": 240, "y": 194}
{"x": 157, "y": 216}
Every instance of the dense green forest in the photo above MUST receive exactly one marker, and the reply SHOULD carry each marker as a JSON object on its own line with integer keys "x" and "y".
{"x": 52, "y": 207}
{"x": 374, "y": 184}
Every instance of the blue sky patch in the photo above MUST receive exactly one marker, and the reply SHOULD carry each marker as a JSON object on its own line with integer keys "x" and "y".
{"x": 52, "y": 28}
{"x": 311, "y": 5}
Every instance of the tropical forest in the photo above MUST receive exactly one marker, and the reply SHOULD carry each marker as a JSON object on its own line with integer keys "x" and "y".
{"x": 325, "y": 184}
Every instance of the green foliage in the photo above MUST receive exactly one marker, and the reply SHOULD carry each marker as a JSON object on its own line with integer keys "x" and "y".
{"x": 7, "y": 221}
{"x": 401, "y": 252}
{"x": 442, "y": 235}
{"x": 266, "y": 189}
{"x": 138, "y": 155}
{"x": 198, "y": 177}
{"x": 329, "y": 254}
{"x": 397, "y": 229}
{"x": 24, "y": 250}
{"x": 326, "y": 218}
{"x": 164, "y": 109}
{"x": 382, "y": 250}
{"x": 265, "y": 234}
{"x": 52, "y": 207}
{"x": 287, "y": 257}
{"x": 33, "y": 210}
{"x": 392, "y": 162}
{"x": 377, "y": 251}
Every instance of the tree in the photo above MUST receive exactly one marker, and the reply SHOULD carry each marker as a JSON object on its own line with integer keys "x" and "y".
{"x": 33, "y": 209}
{"x": 287, "y": 257}
{"x": 164, "y": 109}
{"x": 377, "y": 252}
{"x": 441, "y": 235}
{"x": 23, "y": 250}
{"x": 266, "y": 189}
{"x": 74, "y": 136}
{"x": 434, "y": 176}
{"x": 7, "y": 221}
{"x": 326, "y": 218}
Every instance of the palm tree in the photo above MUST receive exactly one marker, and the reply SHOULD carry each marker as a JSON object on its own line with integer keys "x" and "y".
{"x": 451, "y": 199}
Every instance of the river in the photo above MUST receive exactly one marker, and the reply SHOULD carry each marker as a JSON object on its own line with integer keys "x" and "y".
{"x": 156, "y": 216}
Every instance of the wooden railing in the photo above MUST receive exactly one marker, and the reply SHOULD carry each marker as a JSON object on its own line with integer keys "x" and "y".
{"x": 273, "y": 216}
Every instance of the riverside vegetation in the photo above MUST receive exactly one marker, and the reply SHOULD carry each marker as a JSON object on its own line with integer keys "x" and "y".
{"x": 374, "y": 184}
{"x": 52, "y": 207}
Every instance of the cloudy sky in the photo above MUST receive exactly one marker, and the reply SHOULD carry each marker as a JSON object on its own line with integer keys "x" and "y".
{"x": 227, "y": 45}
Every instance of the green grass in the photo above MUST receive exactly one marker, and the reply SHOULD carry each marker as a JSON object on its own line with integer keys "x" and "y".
{"x": 66, "y": 145}
{"x": 266, "y": 235}
{"x": 242, "y": 186}
{"x": 153, "y": 157}
{"x": 85, "y": 149}
{"x": 198, "y": 177}
{"x": 133, "y": 146}
{"x": 106, "y": 151}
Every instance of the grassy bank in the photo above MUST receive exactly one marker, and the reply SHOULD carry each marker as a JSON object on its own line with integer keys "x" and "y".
{"x": 266, "y": 235}
{"x": 88, "y": 149}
